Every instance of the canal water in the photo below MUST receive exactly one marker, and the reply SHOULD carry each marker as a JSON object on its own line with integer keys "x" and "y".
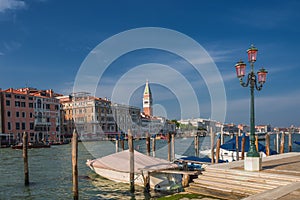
{"x": 50, "y": 170}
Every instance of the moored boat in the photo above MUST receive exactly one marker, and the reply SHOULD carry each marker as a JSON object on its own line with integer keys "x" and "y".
{"x": 228, "y": 150}
{"x": 32, "y": 145}
{"x": 116, "y": 167}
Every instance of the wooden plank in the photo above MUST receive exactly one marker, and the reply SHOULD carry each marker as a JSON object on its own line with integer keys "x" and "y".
{"x": 214, "y": 193}
{"x": 248, "y": 178}
{"x": 241, "y": 183}
{"x": 256, "y": 174}
{"x": 231, "y": 187}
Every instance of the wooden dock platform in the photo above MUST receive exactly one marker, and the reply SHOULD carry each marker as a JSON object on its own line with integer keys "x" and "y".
{"x": 279, "y": 179}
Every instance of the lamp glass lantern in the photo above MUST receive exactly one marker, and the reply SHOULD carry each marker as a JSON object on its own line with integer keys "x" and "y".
{"x": 240, "y": 68}
{"x": 262, "y": 75}
{"x": 252, "y": 53}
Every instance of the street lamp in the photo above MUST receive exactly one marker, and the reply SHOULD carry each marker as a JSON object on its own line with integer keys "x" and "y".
{"x": 255, "y": 82}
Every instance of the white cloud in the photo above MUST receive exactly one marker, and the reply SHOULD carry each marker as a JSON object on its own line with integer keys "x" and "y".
{"x": 11, "y": 5}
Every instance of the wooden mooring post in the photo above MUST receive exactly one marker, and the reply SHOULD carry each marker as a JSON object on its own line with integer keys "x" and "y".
{"x": 277, "y": 142}
{"x": 237, "y": 150}
{"x": 25, "y": 158}
{"x": 267, "y": 144}
{"x": 117, "y": 143}
{"x": 290, "y": 142}
{"x": 153, "y": 146}
{"x": 122, "y": 142}
{"x": 131, "y": 160}
{"x": 282, "y": 143}
{"x": 169, "y": 146}
{"x": 196, "y": 145}
{"x": 74, "y": 164}
{"x": 256, "y": 142}
{"x": 243, "y": 145}
{"x": 218, "y": 148}
{"x": 148, "y": 143}
{"x": 173, "y": 146}
{"x": 212, "y": 144}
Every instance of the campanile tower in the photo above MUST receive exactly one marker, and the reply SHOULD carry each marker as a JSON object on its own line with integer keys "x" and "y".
{"x": 147, "y": 100}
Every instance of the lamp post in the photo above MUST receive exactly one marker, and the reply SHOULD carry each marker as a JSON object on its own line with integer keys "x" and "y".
{"x": 255, "y": 82}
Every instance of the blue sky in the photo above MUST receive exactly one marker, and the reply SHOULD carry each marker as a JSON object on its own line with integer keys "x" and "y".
{"x": 44, "y": 42}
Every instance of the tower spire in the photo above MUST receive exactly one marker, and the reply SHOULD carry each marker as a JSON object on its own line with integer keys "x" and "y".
{"x": 147, "y": 100}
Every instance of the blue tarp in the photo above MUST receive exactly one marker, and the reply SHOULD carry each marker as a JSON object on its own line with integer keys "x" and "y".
{"x": 297, "y": 142}
{"x": 230, "y": 145}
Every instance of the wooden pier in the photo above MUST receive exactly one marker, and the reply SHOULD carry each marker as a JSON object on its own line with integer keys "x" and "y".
{"x": 279, "y": 179}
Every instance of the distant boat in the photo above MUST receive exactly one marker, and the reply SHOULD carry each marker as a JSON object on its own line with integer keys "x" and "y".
{"x": 116, "y": 167}
{"x": 228, "y": 149}
{"x": 31, "y": 146}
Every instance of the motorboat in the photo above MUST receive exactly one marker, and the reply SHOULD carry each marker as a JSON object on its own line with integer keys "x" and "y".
{"x": 116, "y": 167}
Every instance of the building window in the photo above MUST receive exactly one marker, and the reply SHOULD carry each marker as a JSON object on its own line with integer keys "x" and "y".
{"x": 17, "y": 125}
{"x": 30, "y": 98}
{"x": 17, "y": 103}
{"x": 8, "y": 113}
{"x": 23, "y": 126}
{"x": 23, "y": 114}
{"x": 23, "y": 104}
{"x": 17, "y": 114}
{"x": 8, "y": 95}
{"x": 23, "y": 97}
{"x": 30, "y": 105}
{"x": 48, "y": 106}
{"x": 7, "y": 102}
{"x": 31, "y": 125}
{"x": 39, "y": 103}
{"x": 8, "y": 126}
{"x": 30, "y": 115}
{"x": 39, "y": 117}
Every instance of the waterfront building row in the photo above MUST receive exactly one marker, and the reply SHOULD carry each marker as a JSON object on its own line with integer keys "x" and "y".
{"x": 30, "y": 110}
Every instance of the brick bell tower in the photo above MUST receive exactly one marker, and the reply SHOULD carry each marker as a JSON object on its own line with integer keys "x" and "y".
{"x": 147, "y": 100}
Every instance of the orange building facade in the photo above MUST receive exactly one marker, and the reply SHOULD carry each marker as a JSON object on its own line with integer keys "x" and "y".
{"x": 30, "y": 110}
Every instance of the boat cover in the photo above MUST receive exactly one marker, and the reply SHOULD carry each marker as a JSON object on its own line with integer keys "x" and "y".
{"x": 120, "y": 162}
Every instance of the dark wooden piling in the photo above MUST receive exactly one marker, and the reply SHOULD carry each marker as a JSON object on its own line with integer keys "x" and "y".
{"x": 131, "y": 160}
{"x": 146, "y": 178}
{"x": 196, "y": 145}
{"x": 153, "y": 146}
{"x": 169, "y": 146}
{"x": 282, "y": 143}
{"x": 237, "y": 150}
{"x": 218, "y": 148}
{"x": 212, "y": 143}
{"x": 290, "y": 142}
{"x": 243, "y": 146}
{"x": 25, "y": 158}
{"x": 122, "y": 142}
{"x": 148, "y": 144}
{"x": 74, "y": 164}
{"x": 173, "y": 145}
{"x": 267, "y": 144}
